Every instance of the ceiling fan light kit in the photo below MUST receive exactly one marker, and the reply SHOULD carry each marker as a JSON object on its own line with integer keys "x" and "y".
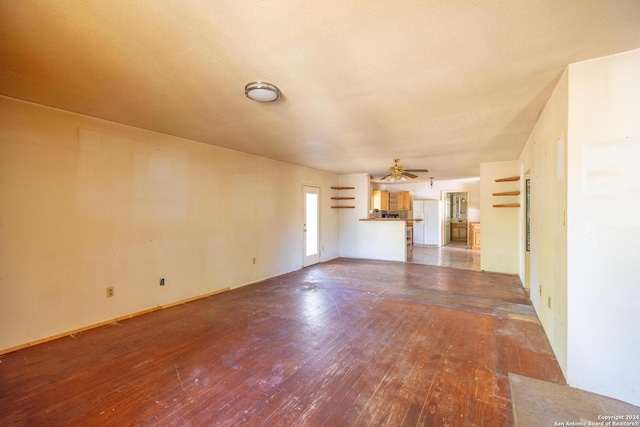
{"x": 399, "y": 174}
{"x": 262, "y": 92}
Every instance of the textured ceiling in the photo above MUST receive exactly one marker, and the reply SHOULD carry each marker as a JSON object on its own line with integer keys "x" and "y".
{"x": 443, "y": 85}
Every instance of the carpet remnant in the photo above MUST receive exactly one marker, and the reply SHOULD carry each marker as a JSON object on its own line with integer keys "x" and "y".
{"x": 538, "y": 403}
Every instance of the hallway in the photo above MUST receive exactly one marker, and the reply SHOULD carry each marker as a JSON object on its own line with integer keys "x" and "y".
{"x": 455, "y": 254}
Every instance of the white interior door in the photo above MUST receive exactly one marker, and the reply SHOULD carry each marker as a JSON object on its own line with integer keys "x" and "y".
{"x": 311, "y": 232}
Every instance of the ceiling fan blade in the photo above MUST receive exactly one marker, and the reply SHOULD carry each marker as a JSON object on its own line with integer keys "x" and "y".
{"x": 416, "y": 170}
{"x": 410, "y": 175}
{"x": 385, "y": 177}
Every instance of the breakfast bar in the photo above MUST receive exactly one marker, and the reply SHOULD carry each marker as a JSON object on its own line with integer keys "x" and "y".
{"x": 390, "y": 238}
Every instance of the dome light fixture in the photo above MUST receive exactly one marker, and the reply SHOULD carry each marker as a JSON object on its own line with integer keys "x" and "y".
{"x": 262, "y": 92}
{"x": 396, "y": 178}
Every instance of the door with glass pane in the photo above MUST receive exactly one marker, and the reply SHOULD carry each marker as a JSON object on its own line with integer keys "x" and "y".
{"x": 311, "y": 225}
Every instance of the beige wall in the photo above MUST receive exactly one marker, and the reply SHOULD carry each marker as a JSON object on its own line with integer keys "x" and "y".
{"x": 583, "y": 160}
{"x": 603, "y": 208}
{"x": 500, "y": 239}
{"x": 544, "y": 161}
{"x": 86, "y": 204}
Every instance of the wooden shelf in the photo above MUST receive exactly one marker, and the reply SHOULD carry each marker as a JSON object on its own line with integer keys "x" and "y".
{"x": 507, "y": 205}
{"x": 507, "y": 193}
{"x": 510, "y": 178}
{"x": 343, "y": 198}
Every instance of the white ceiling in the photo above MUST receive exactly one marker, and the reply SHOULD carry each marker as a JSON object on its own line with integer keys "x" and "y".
{"x": 443, "y": 85}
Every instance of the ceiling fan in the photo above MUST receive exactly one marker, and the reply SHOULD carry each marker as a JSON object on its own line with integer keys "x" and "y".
{"x": 398, "y": 174}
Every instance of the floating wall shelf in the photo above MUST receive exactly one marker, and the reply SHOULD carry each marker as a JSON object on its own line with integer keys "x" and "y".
{"x": 508, "y": 193}
{"x": 343, "y": 198}
{"x": 510, "y": 178}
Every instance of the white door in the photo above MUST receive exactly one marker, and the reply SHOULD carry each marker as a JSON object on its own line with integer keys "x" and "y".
{"x": 311, "y": 227}
{"x": 432, "y": 222}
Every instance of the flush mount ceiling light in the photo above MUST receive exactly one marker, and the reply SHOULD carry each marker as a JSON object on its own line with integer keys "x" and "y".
{"x": 262, "y": 92}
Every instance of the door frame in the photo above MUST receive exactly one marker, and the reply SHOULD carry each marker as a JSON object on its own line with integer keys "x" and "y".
{"x": 314, "y": 258}
{"x": 527, "y": 231}
{"x": 446, "y": 227}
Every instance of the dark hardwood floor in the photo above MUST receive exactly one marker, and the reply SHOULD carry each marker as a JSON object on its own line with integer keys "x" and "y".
{"x": 343, "y": 343}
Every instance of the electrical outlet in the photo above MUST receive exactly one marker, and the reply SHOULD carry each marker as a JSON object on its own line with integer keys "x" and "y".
{"x": 162, "y": 281}
{"x": 110, "y": 292}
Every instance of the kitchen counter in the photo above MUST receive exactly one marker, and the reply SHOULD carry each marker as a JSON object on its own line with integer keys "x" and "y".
{"x": 396, "y": 223}
{"x": 382, "y": 239}
{"x": 391, "y": 219}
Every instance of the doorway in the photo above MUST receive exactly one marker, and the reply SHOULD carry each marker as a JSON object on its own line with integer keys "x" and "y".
{"x": 455, "y": 224}
{"x": 311, "y": 226}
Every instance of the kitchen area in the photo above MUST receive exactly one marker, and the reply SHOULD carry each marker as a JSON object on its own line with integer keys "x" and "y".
{"x": 400, "y": 222}
{"x": 395, "y": 206}
{"x": 429, "y": 222}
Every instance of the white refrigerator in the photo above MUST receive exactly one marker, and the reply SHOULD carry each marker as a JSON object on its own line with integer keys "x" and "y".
{"x": 429, "y": 230}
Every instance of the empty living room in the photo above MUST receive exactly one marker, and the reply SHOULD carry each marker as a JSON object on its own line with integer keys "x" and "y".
{"x": 319, "y": 214}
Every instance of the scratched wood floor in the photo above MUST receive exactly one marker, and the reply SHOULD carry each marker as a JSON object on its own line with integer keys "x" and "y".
{"x": 344, "y": 343}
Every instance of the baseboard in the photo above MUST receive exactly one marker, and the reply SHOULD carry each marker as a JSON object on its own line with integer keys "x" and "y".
{"x": 107, "y": 322}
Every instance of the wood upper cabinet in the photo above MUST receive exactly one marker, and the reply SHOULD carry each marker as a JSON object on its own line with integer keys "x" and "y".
{"x": 404, "y": 201}
{"x": 386, "y": 201}
{"x": 380, "y": 200}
